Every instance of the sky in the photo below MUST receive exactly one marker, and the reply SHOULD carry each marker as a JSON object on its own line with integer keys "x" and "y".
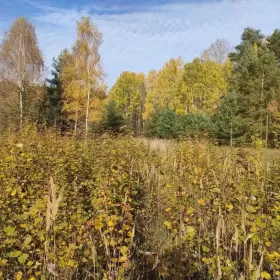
{"x": 141, "y": 35}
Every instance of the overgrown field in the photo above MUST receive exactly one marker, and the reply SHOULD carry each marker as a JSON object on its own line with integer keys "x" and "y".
{"x": 116, "y": 209}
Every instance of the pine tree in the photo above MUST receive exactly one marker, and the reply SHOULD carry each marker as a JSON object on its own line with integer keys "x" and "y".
{"x": 112, "y": 120}
{"x": 52, "y": 104}
{"x": 228, "y": 125}
{"x": 256, "y": 79}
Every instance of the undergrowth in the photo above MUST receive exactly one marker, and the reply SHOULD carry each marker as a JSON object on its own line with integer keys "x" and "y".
{"x": 115, "y": 209}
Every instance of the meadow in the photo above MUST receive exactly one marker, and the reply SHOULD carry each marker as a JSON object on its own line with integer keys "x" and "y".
{"x": 121, "y": 209}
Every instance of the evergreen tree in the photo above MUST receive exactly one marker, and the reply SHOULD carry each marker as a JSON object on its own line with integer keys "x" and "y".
{"x": 228, "y": 125}
{"x": 52, "y": 105}
{"x": 256, "y": 80}
{"x": 112, "y": 120}
{"x": 197, "y": 124}
{"x": 164, "y": 124}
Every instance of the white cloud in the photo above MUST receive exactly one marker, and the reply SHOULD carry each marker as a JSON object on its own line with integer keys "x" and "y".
{"x": 142, "y": 41}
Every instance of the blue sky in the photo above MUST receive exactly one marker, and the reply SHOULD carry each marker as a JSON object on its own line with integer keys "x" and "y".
{"x": 142, "y": 35}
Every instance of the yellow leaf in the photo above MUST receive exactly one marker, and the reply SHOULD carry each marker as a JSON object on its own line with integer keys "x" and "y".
{"x": 168, "y": 209}
{"x": 201, "y": 202}
{"x": 190, "y": 210}
{"x": 266, "y": 275}
{"x": 98, "y": 225}
{"x": 3, "y": 262}
{"x": 268, "y": 244}
{"x": 14, "y": 192}
{"x": 123, "y": 259}
{"x": 114, "y": 218}
{"x": 18, "y": 275}
{"x": 124, "y": 250}
{"x": 229, "y": 207}
{"x": 126, "y": 227}
{"x": 167, "y": 224}
{"x": 71, "y": 263}
{"x": 111, "y": 223}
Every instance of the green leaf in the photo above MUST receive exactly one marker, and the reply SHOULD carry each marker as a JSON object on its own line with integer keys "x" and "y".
{"x": 37, "y": 221}
{"x": 71, "y": 263}
{"x": 27, "y": 240}
{"x": 205, "y": 249}
{"x": 14, "y": 254}
{"x": 251, "y": 209}
{"x": 22, "y": 258}
{"x": 190, "y": 232}
{"x": 9, "y": 230}
{"x": 216, "y": 190}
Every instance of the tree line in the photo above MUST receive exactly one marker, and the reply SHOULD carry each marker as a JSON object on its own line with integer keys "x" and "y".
{"x": 228, "y": 94}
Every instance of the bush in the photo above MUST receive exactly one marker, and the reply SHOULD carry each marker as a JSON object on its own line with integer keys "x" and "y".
{"x": 164, "y": 124}
{"x": 111, "y": 209}
{"x": 197, "y": 124}
{"x": 167, "y": 124}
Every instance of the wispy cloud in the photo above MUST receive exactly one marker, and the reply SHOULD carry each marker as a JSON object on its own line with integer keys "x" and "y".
{"x": 142, "y": 39}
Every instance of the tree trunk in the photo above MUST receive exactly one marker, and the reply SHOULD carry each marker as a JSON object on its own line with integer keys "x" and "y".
{"x": 87, "y": 112}
{"x": 231, "y": 135}
{"x": 262, "y": 86}
{"x": 76, "y": 123}
{"x": 266, "y": 130}
{"x": 21, "y": 107}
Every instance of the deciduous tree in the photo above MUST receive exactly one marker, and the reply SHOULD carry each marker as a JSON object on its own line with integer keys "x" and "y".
{"x": 165, "y": 88}
{"x": 206, "y": 83}
{"x": 88, "y": 65}
{"x": 218, "y": 51}
{"x": 129, "y": 95}
{"x": 21, "y": 61}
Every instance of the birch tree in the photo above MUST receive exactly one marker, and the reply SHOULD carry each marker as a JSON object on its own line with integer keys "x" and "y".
{"x": 73, "y": 94}
{"x": 21, "y": 61}
{"x": 218, "y": 51}
{"x": 88, "y": 64}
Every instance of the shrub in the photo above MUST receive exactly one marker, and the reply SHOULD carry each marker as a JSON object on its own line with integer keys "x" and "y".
{"x": 197, "y": 124}
{"x": 111, "y": 209}
{"x": 164, "y": 124}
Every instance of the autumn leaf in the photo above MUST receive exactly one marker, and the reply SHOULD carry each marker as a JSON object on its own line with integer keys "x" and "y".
{"x": 265, "y": 275}
{"x": 9, "y": 230}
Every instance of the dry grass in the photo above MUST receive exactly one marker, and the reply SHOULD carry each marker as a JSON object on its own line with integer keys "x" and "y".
{"x": 158, "y": 145}
{"x": 164, "y": 147}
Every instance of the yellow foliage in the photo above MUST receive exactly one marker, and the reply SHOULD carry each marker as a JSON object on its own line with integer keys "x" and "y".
{"x": 201, "y": 202}
{"x": 266, "y": 275}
